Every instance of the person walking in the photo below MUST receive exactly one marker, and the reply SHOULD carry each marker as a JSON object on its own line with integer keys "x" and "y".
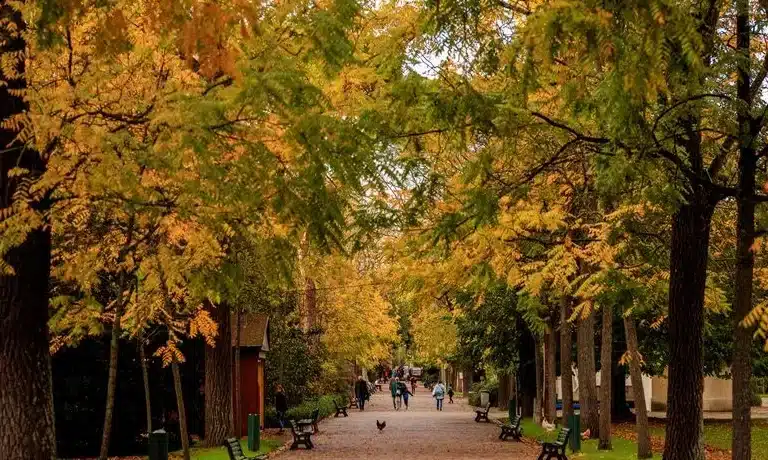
{"x": 405, "y": 393}
{"x": 361, "y": 392}
{"x": 413, "y": 385}
{"x": 394, "y": 389}
{"x": 281, "y": 406}
{"x": 438, "y": 392}
{"x": 450, "y": 394}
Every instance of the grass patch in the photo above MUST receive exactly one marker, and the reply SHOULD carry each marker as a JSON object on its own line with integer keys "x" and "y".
{"x": 220, "y": 453}
{"x": 622, "y": 449}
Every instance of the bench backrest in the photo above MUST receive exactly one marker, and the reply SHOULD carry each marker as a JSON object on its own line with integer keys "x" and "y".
{"x": 515, "y": 420}
{"x": 336, "y": 404}
{"x": 234, "y": 449}
{"x": 562, "y": 437}
{"x": 487, "y": 407}
{"x": 294, "y": 427}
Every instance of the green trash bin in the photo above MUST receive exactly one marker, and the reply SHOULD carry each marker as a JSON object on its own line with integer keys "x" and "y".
{"x": 254, "y": 433}
{"x": 512, "y": 408}
{"x": 573, "y": 424}
{"x": 158, "y": 445}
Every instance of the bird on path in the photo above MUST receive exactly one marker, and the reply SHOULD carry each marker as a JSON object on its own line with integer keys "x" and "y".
{"x": 381, "y": 425}
{"x": 547, "y": 426}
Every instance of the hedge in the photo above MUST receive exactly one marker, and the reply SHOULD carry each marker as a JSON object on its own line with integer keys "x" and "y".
{"x": 304, "y": 410}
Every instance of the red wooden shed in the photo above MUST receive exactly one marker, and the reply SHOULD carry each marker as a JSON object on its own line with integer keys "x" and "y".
{"x": 254, "y": 345}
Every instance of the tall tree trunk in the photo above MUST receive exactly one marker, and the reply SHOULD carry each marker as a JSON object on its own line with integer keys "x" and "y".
{"x": 26, "y": 395}
{"x": 238, "y": 394}
{"x": 539, "y": 368}
{"x": 467, "y": 381}
{"x": 566, "y": 358}
{"x": 585, "y": 336}
{"x": 638, "y": 393}
{"x": 741, "y": 367}
{"x": 550, "y": 375}
{"x": 688, "y": 275}
{"x": 182, "y": 410}
{"x": 114, "y": 345}
{"x": 218, "y": 380}
{"x": 145, "y": 376}
{"x": 606, "y": 377}
{"x": 504, "y": 391}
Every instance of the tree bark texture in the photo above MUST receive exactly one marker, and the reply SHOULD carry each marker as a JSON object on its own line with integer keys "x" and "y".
{"x": 587, "y": 386}
{"x": 218, "y": 381}
{"x": 688, "y": 274}
{"x": 182, "y": 410}
{"x": 145, "y": 376}
{"x": 539, "y": 367}
{"x": 638, "y": 393}
{"x": 467, "y": 381}
{"x": 238, "y": 391}
{"x": 550, "y": 375}
{"x": 606, "y": 378}
{"x": 114, "y": 345}
{"x": 741, "y": 365}
{"x": 26, "y": 397}
{"x": 566, "y": 357}
{"x": 504, "y": 391}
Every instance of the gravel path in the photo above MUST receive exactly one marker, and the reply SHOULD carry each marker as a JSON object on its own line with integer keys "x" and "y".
{"x": 421, "y": 433}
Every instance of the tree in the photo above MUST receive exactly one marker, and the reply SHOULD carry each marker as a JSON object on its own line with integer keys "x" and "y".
{"x": 26, "y": 401}
{"x": 566, "y": 357}
{"x": 606, "y": 359}
{"x": 641, "y": 412}
{"x": 219, "y": 419}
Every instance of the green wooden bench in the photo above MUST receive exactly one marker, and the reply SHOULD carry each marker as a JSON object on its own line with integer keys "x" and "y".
{"x": 482, "y": 414}
{"x": 556, "y": 449}
{"x": 512, "y": 428}
{"x": 311, "y": 421}
{"x": 235, "y": 450}
{"x": 300, "y": 436}
{"x": 340, "y": 410}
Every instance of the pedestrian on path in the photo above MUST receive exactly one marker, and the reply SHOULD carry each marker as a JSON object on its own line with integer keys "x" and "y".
{"x": 361, "y": 392}
{"x": 413, "y": 385}
{"x": 281, "y": 406}
{"x": 394, "y": 389}
{"x": 450, "y": 394}
{"x": 439, "y": 394}
{"x": 404, "y": 391}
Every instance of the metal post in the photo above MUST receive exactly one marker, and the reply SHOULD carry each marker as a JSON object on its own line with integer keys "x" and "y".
{"x": 254, "y": 434}
{"x": 573, "y": 424}
{"x": 158, "y": 445}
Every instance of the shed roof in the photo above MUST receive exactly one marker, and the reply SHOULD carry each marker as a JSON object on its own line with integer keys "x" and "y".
{"x": 254, "y": 330}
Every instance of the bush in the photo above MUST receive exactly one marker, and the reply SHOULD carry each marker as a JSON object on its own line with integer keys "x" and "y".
{"x": 304, "y": 410}
{"x": 491, "y": 386}
{"x": 757, "y": 387}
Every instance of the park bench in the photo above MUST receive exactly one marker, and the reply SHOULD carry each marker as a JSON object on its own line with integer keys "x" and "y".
{"x": 340, "y": 410}
{"x": 310, "y": 422}
{"x": 300, "y": 436}
{"x": 556, "y": 449}
{"x": 235, "y": 450}
{"x": 512, "y": 428}
{"x": 482, "y": 414}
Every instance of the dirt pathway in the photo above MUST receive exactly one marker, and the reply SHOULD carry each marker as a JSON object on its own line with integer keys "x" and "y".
{"x": 421, "y": 432}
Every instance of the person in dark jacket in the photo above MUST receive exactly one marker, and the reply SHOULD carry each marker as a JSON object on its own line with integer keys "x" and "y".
{"x": 361, "y": 392}
{"x": 281, "y": 406}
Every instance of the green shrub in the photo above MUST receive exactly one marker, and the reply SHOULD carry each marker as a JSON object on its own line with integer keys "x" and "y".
{"x": 757, "y": 387}
{"x": 491, "y": 386}
{"x": 304, "y": 410}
